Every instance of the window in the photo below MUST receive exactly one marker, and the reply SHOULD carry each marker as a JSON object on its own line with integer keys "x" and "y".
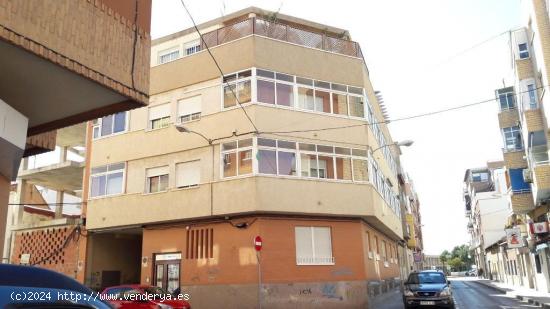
{"x": 480, "y": 176}
{"x": 523, "y": 51}
{"x": 168, "y": 55}
{"x": 157, "y": 179}
{"x": 189, "y": 109}
{"x": 193, "y": 47}
{"x": 313, "y": 246}
{"x": 237, "y": 86}
{"x": 538, "y": 149}
{"x": 107, "y": 180}
{"x": 109, "y": 125}
{"x": 376, "y": 247}
{"x": 507, "y": 100}
{"x": 356, "y": 106}
{"x": 305, "y": 98}
{"x": 159, "y": 116}
{"x": 188, "y": 174}
{"x": 237, "y": 158}
{"x": 532, "y": 92}
{"x": 538, "y": 265}
{"x": 275, "y": 88}
{"x": 384, "y": 253}
{"x": 512, "y": 138}
{"x": 339, "y": 104}
{"x": 369, "y": 246}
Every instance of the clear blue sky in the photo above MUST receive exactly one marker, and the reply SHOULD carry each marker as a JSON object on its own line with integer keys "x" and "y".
{"x": 407, "y": 46}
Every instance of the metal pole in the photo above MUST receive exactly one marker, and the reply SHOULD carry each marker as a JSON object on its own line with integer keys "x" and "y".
{"x": 259, "y": 280}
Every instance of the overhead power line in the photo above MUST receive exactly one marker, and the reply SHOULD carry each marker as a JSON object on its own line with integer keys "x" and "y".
{"x": 397, "y": 119}
{"x": 218, "y": 66}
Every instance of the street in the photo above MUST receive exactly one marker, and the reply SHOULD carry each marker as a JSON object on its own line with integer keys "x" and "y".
{"x": 467, "y": 295}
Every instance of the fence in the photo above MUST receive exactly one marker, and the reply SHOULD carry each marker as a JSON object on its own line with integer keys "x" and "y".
{"x": 281, "y": 32}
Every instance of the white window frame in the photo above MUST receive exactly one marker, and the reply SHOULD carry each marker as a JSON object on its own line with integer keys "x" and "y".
{"x": 168, "y": 51}
{"x": 150, "y": 121}
{"x": 524, "y": 51}
{"x": 106, "y": 174}
{"x": 321, "y": 260}
{"x": 235, "y": 83}
{"x": 512, "y": 130}
{"x": 236, "y": 151}
{"x": 98, "y": 123}
{"x": 190, "y": 117}
{"x": 194, "y": 46}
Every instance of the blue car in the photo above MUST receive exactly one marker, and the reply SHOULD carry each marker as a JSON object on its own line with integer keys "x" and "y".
{"x": 24, "y": 287}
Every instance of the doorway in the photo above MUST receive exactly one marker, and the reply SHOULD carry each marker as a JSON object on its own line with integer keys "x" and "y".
{"x": 167, "y": 271}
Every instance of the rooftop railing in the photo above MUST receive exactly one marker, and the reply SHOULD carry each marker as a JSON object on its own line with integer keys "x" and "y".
{"x": 283, "y": 32}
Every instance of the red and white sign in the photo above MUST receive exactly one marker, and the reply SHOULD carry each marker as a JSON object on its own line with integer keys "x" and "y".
{"x": 540, "y": 227}
{"x": 258, "y": 243}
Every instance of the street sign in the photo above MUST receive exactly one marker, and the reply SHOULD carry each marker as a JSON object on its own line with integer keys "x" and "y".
{"x": 258, "y": 243}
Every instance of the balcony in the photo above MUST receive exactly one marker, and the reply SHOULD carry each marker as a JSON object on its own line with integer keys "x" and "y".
{"x": 282, "y": 32}
{"x": 522, "y": 202}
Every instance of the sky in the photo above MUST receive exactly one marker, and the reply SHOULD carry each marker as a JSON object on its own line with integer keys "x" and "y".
{"x": 423, "y": 55}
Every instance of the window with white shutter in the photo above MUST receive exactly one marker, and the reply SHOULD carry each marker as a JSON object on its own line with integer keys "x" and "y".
{"x": 159, "y": 116}
{"x": 189, "y": 109}
{"x": 313, "y": 246}
{"x": 157, "y": 179}
{"x": 188, "y": 174}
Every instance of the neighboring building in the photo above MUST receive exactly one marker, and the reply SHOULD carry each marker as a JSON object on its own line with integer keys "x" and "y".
{"x": 412, "y": 224}
{"x": 46, "y": 205}
{"x": 433, "y": 262}
{"x": 63, "y": 62}
{"x": 524, "y": 126}
{"x": 176, "y": 209}
{"x": 488, "y": 210}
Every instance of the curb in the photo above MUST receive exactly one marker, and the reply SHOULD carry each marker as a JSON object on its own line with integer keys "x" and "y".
{"x": 501, "y": 290}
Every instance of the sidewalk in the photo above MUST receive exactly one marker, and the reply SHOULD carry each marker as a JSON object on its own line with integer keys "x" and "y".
{"x": 529, "y": 295}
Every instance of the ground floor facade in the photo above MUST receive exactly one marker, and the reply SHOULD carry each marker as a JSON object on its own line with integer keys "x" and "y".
{"x": 309, "y": 262}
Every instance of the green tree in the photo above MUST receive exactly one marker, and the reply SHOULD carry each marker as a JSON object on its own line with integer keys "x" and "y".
{"x": 456, "y": 264}
{"x": 445, "y": 257}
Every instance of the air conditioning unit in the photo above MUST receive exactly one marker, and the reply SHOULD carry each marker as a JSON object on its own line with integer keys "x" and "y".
{"x": 527, "y": 175}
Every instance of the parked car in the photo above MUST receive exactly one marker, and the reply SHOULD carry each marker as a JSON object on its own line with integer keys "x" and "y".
{"x": 471, "y": 273}
{"x": 137, "y": 296}
{"x": 427, "y": 288}
{"x": 33, "y": 287}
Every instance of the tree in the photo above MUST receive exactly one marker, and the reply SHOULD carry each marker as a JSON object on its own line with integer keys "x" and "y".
{"x": 445, "y": 257}
{"x": 456, "y": 264}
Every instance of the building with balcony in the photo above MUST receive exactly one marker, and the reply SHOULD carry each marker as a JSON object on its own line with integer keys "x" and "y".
{"x": 179, "y": 193}
{"x": 65, "y": 62}
{"x": 412, "y": 224}
{"x": 523, "y": 123}
{"x": 488, "y": 211}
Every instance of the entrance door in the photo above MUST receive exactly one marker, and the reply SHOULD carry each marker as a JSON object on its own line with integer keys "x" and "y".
{"x": 167, "y": 271}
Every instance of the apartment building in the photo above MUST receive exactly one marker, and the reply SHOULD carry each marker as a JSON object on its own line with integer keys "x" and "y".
{"x": 63, "y": 62}
{"x": 433, "y": 262}
{"x": 523, "y": 123}
{"x": 179, "y": 194}
{"x": 412, "y": 224}
{"x": 488, "y": 211}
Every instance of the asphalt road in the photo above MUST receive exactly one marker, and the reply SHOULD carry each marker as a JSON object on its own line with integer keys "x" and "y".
{"x": 467, "y": 295}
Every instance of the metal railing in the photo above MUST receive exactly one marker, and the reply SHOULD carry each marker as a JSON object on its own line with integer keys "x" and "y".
{"x": 283, "y": 32}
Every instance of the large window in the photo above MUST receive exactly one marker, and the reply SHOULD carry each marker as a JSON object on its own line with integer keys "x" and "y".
{"x": 109, "y": 125}
{"x": 107, "y": 180}
{"x": 313, "y": 246}
{"x": 157, "y": 179}
{"x": 276, "y": 157}
{"x": 538, "y": 149}
{"x": 189, "y": 109}
{"x": 532, "y": 93}
{"x": 237, "y": 86}
{"x": 159, "y": 116}
{"x": 512, "y": 138}
{"x": 188, "y": 174}
{"x": 237, "y": 158}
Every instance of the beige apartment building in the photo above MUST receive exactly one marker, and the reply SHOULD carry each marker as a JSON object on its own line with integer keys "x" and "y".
{"x": 523, "y": 122}
{"x": 177, "y": 197}
{"x": 63, "y": 62}
{"x": 413, "y": 259}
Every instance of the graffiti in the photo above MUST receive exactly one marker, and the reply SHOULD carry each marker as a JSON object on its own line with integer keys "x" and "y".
{"x": 305, "y": 291}
{"x": 329, "y": 291}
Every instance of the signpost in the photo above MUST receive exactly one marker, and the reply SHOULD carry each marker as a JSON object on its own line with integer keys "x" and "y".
{"x": 258, "y": 247}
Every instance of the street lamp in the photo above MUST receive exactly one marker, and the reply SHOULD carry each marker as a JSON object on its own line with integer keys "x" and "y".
{"x": 404, "y": 143}
{"x": 183, "y": 129}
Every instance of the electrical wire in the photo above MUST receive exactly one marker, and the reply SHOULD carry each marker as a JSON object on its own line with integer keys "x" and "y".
{"x": 218, "y": 66}
{"x": 398, "y": 119}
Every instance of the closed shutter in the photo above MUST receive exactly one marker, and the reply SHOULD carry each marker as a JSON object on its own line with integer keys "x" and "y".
{"x": 159, "y": 111}
{"x": 188, "y": 174}
{"x": 323, "y": 246}
{"x": 189, "y": 106}
{"x": 157, "y": 171}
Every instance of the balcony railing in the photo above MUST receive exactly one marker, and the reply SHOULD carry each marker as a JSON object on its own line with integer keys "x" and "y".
{"x": 283, "y": 32}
